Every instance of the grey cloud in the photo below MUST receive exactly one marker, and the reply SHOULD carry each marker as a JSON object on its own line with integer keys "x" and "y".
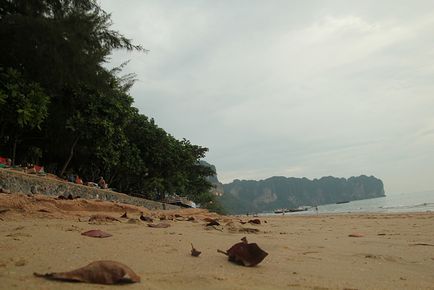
{"x": 300, "y": 88}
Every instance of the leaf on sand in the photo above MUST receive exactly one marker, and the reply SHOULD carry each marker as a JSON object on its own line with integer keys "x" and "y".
{"x": 146, "y": 218}
{"x": 159, "y": 225}
{"x": 96, "y": 234}
{"x": 194, "y": 252}
{"x": 2, "y": 210}
{"x": 211, "y": 222}
{"x": 245, "y": 254}
{"x": 255, "y": 221}
{"x": 356, "y": 235}
{"x": 102, "y": 218}
{"x": 100, "y": 272}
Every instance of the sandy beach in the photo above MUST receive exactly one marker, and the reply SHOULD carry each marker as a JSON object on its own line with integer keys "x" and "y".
{"x": 41, "y": 234}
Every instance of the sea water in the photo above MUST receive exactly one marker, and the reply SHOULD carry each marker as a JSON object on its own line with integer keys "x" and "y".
{"x": 398, "y": 202}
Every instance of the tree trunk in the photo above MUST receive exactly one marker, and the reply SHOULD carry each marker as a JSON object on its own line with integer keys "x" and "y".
{"x": 2, "y": 131}
{"x": 14, "y": 150}
{"x": 71, "y": 154}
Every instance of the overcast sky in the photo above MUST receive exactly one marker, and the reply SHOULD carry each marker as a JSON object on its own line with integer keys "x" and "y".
{"x": 290, "y": 88}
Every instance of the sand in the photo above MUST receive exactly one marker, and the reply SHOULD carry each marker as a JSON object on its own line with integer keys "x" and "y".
{"x": 41, "y": 234}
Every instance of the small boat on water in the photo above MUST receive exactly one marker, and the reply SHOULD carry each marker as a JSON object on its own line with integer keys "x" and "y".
{"x": 345, "y": 201}
{"x": 285, "y": 210}
{"x": 280, "y": 210}
{"x": 300, "y": 208}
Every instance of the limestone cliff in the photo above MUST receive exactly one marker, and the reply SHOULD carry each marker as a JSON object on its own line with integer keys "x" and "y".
{"x": 243, "y": 196}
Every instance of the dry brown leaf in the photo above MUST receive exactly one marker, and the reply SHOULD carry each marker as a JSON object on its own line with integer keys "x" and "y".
{"x": 96, "y": 234}
{"x": 211, "y": 222}
{"x": 255, "y": 221}
{"x": 146, "y": 218}
{"x": 356, "y": 235}
{"x": 194, "y": 252}
{"x": 99, "y": 272}
{"x": 245, "y": 254}
{"x": 2, "y": 210}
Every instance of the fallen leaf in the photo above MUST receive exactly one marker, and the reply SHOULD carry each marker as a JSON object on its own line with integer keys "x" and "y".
{"x": 2, "y": 210}
{"x": 211, "y": 222}
{"x": 255, "y": 221}
{"x": 146, "y": 218}
{"x": 356, "y": 235}
{"x": 194, "y": 252}
{"x": 99, "y": 272}
{"x": 159, "y": 225}
{"x": 96, "y": 234}
{"x": 245, "y": 254}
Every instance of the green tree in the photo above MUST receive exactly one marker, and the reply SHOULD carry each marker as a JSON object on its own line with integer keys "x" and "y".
{"x": 75, "y": 113}
{"x": 23, "y": 105}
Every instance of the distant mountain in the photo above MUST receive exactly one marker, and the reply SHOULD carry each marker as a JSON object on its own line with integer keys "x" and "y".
{"x": 243, "y": 196}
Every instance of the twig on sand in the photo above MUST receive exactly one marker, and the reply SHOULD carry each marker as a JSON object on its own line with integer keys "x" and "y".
{"x": 422, "y": 244}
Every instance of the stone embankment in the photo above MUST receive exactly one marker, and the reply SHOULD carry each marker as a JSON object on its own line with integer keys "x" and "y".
{"x": 22, "y": 183}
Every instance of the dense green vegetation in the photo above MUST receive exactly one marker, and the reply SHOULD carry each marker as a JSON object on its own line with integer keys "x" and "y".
{"x": 61, "y": 107}
{"x": 276, "y": 192}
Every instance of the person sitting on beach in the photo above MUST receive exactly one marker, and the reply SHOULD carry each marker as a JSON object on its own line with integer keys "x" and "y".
{"x": 78, "y": 180}
{"x": 102, "y": 184}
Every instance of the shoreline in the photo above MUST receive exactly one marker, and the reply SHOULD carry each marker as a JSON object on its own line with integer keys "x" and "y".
{"x": 393, "y": 251}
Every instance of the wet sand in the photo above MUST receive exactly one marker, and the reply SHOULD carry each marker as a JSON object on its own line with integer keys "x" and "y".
{"x": 39, "y": 234}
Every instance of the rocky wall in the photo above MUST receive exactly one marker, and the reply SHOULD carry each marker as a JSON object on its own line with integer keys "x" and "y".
{"x": 23, "y": 183}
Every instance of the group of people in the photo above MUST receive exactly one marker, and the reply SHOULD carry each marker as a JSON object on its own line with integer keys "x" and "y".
{"x": 78, "y": 180}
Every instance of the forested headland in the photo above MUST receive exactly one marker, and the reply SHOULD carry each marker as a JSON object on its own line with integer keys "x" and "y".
{"x": 277, "y": 192}
{"x": 63, "y": 108}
